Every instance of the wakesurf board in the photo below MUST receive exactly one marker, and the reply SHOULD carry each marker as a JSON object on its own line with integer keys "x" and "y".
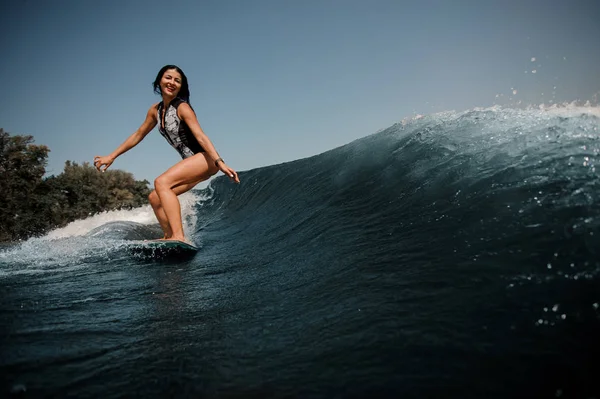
{"x": 162, "y": 249}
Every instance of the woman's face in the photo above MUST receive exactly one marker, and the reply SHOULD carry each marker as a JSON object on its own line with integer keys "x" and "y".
{"x": 170, "y": 84}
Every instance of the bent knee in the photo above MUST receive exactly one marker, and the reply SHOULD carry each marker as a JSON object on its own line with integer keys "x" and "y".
{"x": 161, "y": 183}
{"x": 153, "y": 198}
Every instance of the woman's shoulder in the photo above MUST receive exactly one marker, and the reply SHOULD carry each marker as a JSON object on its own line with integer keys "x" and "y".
{"x": 153, "y": 109}
{"x": 177, "y": 101}
{"x": 180, "y": 103}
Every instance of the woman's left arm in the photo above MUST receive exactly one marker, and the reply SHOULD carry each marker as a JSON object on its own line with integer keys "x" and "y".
{"x": 189, "y": 117}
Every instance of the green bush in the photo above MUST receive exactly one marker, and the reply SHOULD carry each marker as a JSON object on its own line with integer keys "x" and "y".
{"x": 31, "y": 204}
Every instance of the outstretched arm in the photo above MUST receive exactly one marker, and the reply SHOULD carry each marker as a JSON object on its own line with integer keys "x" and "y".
{"x": 189, "y": 117}
{"x": 131, "y": 141}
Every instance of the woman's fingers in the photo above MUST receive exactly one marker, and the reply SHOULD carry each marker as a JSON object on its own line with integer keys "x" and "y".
{"x": 231, "y": 173}
{"x": 99, "y": 162}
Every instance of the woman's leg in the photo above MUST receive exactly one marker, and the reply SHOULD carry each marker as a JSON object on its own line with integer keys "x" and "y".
{"x": 159, "y": 211}
{"x": 176, "y": 180}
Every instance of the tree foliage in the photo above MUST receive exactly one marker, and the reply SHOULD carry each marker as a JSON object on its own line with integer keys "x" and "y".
{"x": 31, "y": 204}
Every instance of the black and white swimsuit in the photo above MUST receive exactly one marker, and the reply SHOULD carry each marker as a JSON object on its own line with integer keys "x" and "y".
{"x": 176, "y": 131}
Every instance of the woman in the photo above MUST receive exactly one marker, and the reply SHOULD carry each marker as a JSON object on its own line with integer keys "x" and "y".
{"x": 178, "y": 124}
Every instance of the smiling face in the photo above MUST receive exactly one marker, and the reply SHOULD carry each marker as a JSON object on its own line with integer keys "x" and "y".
{"x": 170, "y": 83}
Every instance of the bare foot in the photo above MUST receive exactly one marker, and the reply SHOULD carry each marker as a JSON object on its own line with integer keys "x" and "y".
{"x": 182, "y": 239}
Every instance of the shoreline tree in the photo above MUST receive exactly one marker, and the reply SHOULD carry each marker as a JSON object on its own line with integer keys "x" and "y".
{"x": 31, "y": 204}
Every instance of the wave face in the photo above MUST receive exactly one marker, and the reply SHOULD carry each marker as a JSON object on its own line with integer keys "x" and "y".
{"x": 451, "y": 255}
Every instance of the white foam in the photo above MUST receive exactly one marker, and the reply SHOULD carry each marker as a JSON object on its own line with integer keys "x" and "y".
{"x": 142, "y": 215}
{"x": 70, "y": 248}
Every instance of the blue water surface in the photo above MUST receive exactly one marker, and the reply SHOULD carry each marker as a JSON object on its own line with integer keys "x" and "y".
{"x": 453, "y": 255}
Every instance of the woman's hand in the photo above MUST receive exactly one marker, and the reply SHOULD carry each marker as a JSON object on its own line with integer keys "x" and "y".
{"x": 229, "y": 172}
{"x": 103, "y": 161}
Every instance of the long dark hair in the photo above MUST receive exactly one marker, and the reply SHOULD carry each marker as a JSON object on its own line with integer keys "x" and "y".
{"x": 184, "y": 92}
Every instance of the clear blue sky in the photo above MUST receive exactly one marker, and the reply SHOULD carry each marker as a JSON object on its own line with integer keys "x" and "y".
{"x": 278, "y": 80}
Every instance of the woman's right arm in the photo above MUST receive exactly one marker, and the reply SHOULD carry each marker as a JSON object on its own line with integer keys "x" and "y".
{"x": 132, "y": 141}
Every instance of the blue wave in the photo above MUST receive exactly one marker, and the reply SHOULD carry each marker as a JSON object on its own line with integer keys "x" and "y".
{"x": 495, "y": 182}
{"x": 451, "y": 255}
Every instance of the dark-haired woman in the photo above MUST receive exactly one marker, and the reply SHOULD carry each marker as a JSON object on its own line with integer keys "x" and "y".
{"x": 179, "y": 125}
